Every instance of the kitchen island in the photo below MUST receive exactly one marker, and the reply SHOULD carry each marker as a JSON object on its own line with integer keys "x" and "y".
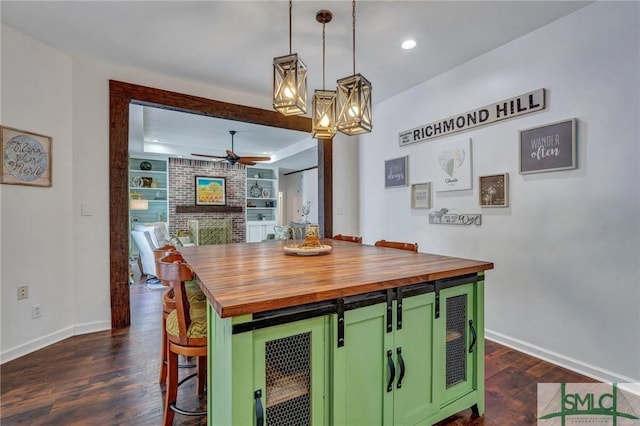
{"x": 361, "y": 335}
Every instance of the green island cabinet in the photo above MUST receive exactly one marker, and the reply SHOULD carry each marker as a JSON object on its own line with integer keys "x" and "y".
{"x": 410, "y": 355}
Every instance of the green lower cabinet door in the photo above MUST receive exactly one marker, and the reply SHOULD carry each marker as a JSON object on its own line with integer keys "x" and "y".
{"x": 290, "y": 373}
{"x": 380, "y": 377}
{"x": 361, "y": 371}
{"x": 413, "y": 353}
{"x": 461, "y": 342}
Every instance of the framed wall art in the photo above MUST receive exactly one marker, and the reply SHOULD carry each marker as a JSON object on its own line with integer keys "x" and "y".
{"x": 494, "y": 190}
{"x": 548, "y": 148}
{"x": 421, "y": 195}
{"x": 453, "y": 166}
{"x": 395, "y": 172}
{"x": 26, "y": 158}
{"x": 211, "y": 191}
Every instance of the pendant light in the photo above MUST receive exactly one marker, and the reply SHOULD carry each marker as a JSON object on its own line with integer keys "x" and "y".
{"x": 289, "y": 81}
{"x": 323, "y": 123}
{"x": 354, "y": 97}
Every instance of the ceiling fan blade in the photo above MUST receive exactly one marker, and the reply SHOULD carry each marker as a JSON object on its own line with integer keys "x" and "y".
{"x": 232, "y": 155}
{"x": 246, "y": 161}
{"x": 208, "y": 156}
{"x": 249, "y": 158}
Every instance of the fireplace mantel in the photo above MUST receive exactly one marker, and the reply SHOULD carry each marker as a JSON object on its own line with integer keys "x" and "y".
{"x": 208, "y": 209}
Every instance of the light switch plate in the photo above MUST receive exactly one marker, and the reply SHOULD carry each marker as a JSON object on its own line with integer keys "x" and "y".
{"x": 86, "y": 210}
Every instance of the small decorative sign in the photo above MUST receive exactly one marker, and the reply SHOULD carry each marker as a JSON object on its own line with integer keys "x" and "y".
{"x": 488, "y": 114}
{"x": 442, "y": 217}
{"x": 26, "y": 158}
{"x": 494, "y": 190}
{"x": 421, "y": 195}
{"x": 395, "y": 172}
{"x": 548, "y": 148}
{"x": 453, "y": 166}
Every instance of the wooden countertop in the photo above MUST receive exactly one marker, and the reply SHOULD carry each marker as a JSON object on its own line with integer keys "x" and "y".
{"x": 246, "y": 278}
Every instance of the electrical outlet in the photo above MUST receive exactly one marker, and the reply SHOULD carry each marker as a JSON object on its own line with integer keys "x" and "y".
{"x": 35, "y": 312}
{"x": 23, "y": 292}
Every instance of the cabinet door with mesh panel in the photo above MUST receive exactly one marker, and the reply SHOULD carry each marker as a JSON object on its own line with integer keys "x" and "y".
{"x": 289, "y": 374}
{"x": 461, "y": 348}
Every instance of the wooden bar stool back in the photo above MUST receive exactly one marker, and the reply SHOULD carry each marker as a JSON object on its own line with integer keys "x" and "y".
{"x": 398, "y": 245}
{"x": 186, "y": 328}
{"x": 168, "y": 305}
{"x": 348, "y": 238}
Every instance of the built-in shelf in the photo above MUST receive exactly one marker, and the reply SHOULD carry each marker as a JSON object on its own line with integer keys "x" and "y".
{"x": 261, "y": 202}
{"x": 208, "y": 209}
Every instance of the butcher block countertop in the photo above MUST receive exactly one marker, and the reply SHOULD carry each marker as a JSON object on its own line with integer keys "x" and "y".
{"x": 247, "y": 278}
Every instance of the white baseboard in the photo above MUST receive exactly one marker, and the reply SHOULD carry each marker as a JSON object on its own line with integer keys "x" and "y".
{"x": 92, "y": 327}
{"x": 600, "y": 374}
{"x": 51, "y": 338}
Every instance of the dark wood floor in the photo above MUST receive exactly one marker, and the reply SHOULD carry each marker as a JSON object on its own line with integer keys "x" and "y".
{"x": 110, "y": 378}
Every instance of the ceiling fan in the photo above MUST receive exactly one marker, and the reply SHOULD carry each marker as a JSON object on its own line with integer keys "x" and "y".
{"x": 233, "y": 158}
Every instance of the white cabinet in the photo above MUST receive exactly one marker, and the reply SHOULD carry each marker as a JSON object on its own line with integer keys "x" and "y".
{"x": 262, "y": 202}
{"x": 258, "y": 231}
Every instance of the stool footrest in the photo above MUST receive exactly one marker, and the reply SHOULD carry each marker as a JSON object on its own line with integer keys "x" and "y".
{"x": 173, "y": 407}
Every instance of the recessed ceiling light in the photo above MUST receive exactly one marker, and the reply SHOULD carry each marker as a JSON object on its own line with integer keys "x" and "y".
{"x": 154, "y": 140}
{"x": 408, "y": 44}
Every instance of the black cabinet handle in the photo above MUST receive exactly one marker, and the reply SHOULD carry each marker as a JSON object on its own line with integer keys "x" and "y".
{"x": 474, "y": 336}
{"x": 392, "y": 369}
{"x": 259, "y": 411}
{"x": 401, "y": 363}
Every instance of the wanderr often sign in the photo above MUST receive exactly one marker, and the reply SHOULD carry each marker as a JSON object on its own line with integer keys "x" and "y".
{"x": 509, "y": 108}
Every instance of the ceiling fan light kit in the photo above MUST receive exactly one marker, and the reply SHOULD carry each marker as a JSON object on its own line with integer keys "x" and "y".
{"x": 323, "y": 123}
{"x": 289, "y": 81}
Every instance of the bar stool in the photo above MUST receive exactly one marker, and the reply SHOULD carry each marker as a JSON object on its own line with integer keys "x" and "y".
{"x": 398, "y": 245}
{"x": 186, "y": 328}
{"x": 194, "y": 294}
{"x": 348, "y": 238}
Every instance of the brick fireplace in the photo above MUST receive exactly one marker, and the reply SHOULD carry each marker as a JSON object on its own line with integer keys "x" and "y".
{"x": 182, "y": 173}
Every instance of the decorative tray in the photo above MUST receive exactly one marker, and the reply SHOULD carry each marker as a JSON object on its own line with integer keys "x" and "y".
{"x": 312, "y": 251}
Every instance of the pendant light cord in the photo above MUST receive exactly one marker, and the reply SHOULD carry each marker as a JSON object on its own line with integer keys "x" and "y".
{"x": 353, "y": 14}
{"x": 290, "y": 31}
{"x": 323, "y": 49}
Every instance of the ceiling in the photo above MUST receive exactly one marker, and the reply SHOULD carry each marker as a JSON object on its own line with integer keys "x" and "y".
{"x": 231, "y": 45}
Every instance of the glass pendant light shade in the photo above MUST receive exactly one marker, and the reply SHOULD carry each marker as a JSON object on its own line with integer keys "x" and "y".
{"x": 290, "y": 85}
{"x": 290, "y": 80}
{"x": 354, "y": 105}
{"x": 354, "y": 97}
{"x": 323, "y": 120}
{"x": 323, "y": 124}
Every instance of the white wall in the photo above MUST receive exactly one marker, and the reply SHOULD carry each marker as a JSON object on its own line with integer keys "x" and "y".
{"x": 37, "y": 226}
{"x": 310, "y": 193}
{"x": 291, "y": 186}
{"x": 346, "y": 211}
{"x": 300, "y": 187}
{"x": 566, "y": 283}
{"x": 47, "y": 244}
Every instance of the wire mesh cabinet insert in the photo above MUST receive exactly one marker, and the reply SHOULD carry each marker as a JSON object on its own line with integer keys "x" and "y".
{"x": 461, "y": 357}
{"x": 289, "y": 374}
